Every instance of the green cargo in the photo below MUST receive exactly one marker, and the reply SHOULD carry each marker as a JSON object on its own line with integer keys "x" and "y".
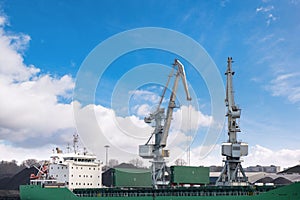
{"x": 189, "y": 175}
{"x": 123, "y": 177}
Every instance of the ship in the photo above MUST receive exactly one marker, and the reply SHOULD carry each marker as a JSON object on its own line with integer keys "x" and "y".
{"x": 78, "y": 175}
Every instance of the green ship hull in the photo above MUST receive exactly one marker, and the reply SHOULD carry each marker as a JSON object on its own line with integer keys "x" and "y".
{"x": 35, "y": 192}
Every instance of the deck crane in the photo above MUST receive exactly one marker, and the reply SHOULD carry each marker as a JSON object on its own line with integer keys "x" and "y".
{"x": 232, "y": 149}
{"x": 161, "y": 124}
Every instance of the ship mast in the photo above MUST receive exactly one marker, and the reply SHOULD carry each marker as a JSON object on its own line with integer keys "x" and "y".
{"x": 75, "y": 143}
{"x": 232, "y": 173}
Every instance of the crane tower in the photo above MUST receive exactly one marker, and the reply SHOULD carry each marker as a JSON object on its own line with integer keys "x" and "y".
{"x": 232, "y": 173}
{"x": 162, "y": 123}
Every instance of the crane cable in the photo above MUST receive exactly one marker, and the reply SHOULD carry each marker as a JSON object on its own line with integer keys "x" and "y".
{"x": 189, "y": 130}
{"x": 161, "y": 99}
{"x": 165, "y": 88}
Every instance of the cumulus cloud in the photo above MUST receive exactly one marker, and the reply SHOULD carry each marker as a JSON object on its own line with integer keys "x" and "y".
{"x": 144, "y": 101}
{"x": 20, "y": 153}
{"x": 188, "y": 118}
{"x": 29, "y": 101}
{"x": 99, "y": 126}
{"x": 143, "y": 110}
{"x": 259, "y": 155}
{"x": 12, "y": 68}
{"x": 33, "y": 116}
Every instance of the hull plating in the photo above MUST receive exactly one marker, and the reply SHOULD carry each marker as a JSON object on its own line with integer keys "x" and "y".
{"x": 33, "y": 192}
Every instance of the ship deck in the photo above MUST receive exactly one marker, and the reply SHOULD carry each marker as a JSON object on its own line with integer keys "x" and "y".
{"x": 289, "y": 192}
{"x": 182, "y": 191}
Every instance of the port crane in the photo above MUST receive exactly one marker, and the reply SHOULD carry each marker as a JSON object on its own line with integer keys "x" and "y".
{"x": 161, "y": 123}
{"x": 232, "y": 173}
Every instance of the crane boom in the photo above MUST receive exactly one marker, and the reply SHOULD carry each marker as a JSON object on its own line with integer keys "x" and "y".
{"x": 162, "y": 125}
{"x": 232, "y": 149}
{"x": 183, "y": 78}
{"x": 233, "y": 110}
{"x": 179, "y": 74}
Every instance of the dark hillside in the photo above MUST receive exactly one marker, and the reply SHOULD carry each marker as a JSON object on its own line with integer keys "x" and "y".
{"x": 9, "y": 168}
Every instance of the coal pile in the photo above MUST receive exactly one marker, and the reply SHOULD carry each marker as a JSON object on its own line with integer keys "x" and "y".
{"x": 9, "y": 195}
{"x": 21, "y": 178}
{"x": 291, "y": 170}
{"x": 265, "y": 180}
{"x": 281, "y": 181}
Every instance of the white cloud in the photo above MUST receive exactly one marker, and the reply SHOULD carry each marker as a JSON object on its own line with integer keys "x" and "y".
{"x": 259, "y": 155}
{"x": 32, "y": 115}
{"x": 267, "y": 38}
{"x": 143, "y": 110}
{"x": 12, "y": 68}
{"x": 286, "y": 85}
{"x": 223, "y": 3}
{"x": 145, "y": 95}
{"x": 188, "y": 118}
{"x": 20, "y": 154}
{"x": 271, "y": 18}
{"x": 99, "y": 126}
{"x": 3, "y": 21}
{"x": 29, "y": 101}
{"x": 125, "y": 134}
{"x": 265, "y": 9}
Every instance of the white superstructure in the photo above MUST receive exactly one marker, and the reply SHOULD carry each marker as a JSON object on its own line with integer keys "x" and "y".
{"x": 72, "y": 170}
{"x": 76, "y": 170}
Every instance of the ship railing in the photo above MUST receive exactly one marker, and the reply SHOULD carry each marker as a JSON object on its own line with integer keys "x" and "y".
{"x": 42, "y": 181}
{"x": 47, "y": 183}
{"x": 205, "y": 191}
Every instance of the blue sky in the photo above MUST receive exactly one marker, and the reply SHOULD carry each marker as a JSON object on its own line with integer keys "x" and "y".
{"x": 262, "y": 37}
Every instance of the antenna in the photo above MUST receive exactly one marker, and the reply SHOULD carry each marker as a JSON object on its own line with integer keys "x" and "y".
{"x": 68, "y": 148}
{"x": 75, "y": 142}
